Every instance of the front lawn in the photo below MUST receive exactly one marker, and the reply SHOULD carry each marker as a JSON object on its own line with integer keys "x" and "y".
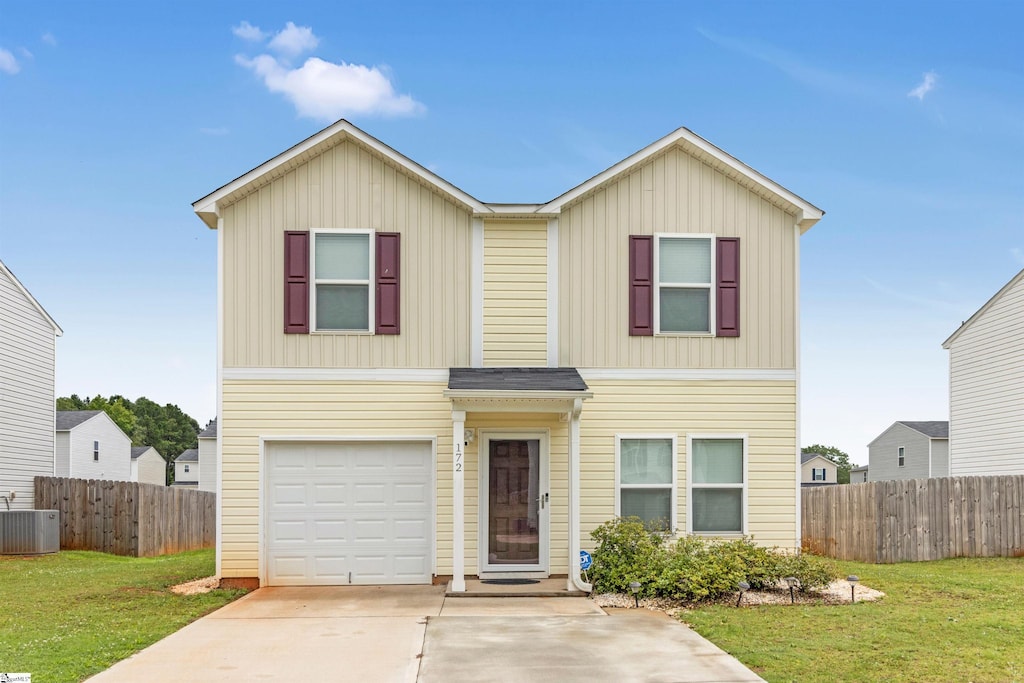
{"x": 70, "y": 615}
{"x": 950, "y": 620}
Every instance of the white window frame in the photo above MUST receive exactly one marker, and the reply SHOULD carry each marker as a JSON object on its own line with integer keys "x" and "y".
{"x": 95, "y": 451}
{"x": 370, "y": 284}
{"x": 901, "y": 457}
{"x": 674, "y": 494}
{"x": 814, "y": 474}
{"x": 745, "y": 502}
{"x": 710, "y": 286}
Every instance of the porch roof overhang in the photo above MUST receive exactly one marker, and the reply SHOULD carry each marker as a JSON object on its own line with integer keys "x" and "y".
{"x": 533, "y": 390}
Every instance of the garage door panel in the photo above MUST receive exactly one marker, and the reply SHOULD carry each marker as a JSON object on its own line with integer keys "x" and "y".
{"x": 349, "y": 513}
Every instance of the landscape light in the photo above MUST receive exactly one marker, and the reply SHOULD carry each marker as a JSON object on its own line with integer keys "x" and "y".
{"x": 853, "y": 579}
{"x": 743, "y": 586}
{"x": 792, "y": 581}
{"x": 635, "y": 587}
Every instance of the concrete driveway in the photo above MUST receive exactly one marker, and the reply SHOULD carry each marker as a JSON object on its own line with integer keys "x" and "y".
{"x": 412, "y": 633}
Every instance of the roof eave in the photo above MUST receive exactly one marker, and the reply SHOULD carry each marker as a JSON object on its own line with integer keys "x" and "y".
{"x": 987, "y": 305}
{"x": 516, "y": 394}
{"x": 32, "y": 300}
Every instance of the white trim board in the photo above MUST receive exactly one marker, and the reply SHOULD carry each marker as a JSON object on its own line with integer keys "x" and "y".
{"x": 676, "y": 374}
{"x": 340, "y": 374}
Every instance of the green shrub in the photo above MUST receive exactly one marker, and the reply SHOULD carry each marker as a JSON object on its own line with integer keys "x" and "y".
{"x": 692, "y": 568}
{"x": 626, "y": 551}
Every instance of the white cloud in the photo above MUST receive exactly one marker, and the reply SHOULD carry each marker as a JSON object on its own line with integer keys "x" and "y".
{"x": 247, "y": 31}
{"x": 8, "y": 63}
{"x": 23, "y": 51}
{"x": 926, "y": 86}
{"x": 49, "y": 39}
{"x": 293, "y": 40}
{"x": 214, "y": 131}
{"x": 328, "y": 91}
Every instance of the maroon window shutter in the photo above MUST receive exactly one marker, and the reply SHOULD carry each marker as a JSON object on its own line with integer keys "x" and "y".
{"x": 296, "y": 282}
{"x": 641, "y": 285}
{"x": 728, "y": 287}
{"x": 389, "y": 256}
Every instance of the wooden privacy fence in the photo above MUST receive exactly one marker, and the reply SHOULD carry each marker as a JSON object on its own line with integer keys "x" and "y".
{"x": 128, "y": 518}
{"x": 915, "y": 519}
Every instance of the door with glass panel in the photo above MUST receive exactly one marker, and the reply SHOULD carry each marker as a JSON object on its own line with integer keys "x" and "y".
{"x": 514, "y": 505}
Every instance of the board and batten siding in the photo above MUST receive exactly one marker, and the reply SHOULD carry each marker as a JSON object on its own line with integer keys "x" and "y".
{"x": 674, "y": 193}
{"x": 515, "y": 294}
{"x": 765, "y": 411}
{"x": 883, "y": 454}
{"x": 27, "y": 348}
{"x": 986, "y": 383}
{"x": 347, "y": 186}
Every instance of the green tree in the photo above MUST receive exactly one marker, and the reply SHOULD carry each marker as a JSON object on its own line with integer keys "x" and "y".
{"x": 72, "y": 402}
{"x": 115, "y": 407}
{"x": 840, "y": 458}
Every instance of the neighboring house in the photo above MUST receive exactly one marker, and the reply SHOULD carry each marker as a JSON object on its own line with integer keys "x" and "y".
{"x": 415, "y": 384}
{"x": 208, "y": 457}
{"x": 148, "y": 466}
{"x": 186, "y": 469}
{"x": 859, "y": 475}
{"x": 817, "y": 470}
{"x": 28, "y": 340}
{"x": 90, "y": 445}
{"x": 986, "y": 387}
{"x": 910, "y": 450}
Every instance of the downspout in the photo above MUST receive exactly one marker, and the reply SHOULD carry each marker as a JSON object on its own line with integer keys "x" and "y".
{"x": 575, "y": 579}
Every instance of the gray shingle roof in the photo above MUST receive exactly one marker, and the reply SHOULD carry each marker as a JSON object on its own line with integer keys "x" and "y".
{"x": 210, "y": 431}
{"x": 516, "y": 379}
{"x": 935, "y": 430}
{"x": 139, "y": 450}
{"x": 69, "y": 419}
{"x": 190, "y": 455}
{"x": 805, "y": 457}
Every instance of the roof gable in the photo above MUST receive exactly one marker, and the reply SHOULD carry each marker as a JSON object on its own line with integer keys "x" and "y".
{"x": 31, "y": 299}
{"x": 69, "y": 419}
{"x": 807, "y": 457}
{"x": 189, "y": 455}
{"x": 1019, "y": 277}
{"x": 935, "y": 429}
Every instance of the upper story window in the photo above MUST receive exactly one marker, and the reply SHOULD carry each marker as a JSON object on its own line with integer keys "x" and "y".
{"x": 96, "y": 451}
{"x": 684, "y": 277}
{"x": 186, "y": 468}
{"x": 342, "y": 262}
{"x": 901, "y": 456}
{"x": 817, "y": 474}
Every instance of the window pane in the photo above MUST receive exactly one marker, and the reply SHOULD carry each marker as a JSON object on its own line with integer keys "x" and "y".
{"x": 685, "y": 310}
{"x": 684, "y": 260}
{"x": 645, "y": 461}
{"x": 342, "y": 307}
{"x": 717, "y": 461}
{"x": 717, "y": 509}
{"x": 651, "y": 505}
{"x": 341, "y": 256}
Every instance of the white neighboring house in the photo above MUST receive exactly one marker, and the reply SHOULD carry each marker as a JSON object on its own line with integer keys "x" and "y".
{"x": 90, "y": 445}
{"x": 986, "y": 387}
{"x": 817, "y": 470}
{"x": 148, "y": 466}
{"x": 186, "y": 469}
{"x": 859, "y": 475}
{"x": 27, "y": 355}
{"x": 208, "y": 457}
{"x": 910, "y": 450}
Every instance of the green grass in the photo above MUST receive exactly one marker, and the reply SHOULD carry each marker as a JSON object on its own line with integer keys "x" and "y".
{"x": 67, "y": 616}
{"x": 951, "y": 620}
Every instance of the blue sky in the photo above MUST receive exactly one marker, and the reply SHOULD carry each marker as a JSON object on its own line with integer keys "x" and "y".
{"x": 904, "y": 121}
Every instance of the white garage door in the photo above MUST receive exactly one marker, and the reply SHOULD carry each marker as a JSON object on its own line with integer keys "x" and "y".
{"x": 341, "y": 513}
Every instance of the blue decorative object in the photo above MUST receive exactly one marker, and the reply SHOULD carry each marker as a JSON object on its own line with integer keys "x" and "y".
{"x": 585, "y": 560}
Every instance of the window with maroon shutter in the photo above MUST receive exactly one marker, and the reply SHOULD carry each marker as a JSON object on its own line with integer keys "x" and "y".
{"x": 296, "y": 282}
{"x": 388, "y": 257}
{"x": 728, "y": 287}
{"x": 641, "y": 285}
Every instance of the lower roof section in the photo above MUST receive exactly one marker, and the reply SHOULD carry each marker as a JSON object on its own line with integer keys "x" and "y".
{"x": 516, "y": 379}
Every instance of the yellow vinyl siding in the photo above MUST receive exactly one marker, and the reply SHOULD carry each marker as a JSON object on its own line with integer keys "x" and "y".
{"x": 515, "y": 294}
{"x": 674, "y": 193}
{"x": 347, "y": 186}
{"x": 764, "y": 411}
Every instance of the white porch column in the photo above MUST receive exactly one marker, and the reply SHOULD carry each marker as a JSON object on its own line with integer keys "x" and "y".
{"x": 575, "y": 581}
{"x": 459, "y": 502}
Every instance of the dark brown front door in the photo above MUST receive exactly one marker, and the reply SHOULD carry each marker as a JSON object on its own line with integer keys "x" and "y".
{"x": 514, "y": 502}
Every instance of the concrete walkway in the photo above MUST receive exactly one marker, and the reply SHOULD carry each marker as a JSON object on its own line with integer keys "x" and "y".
{"x": 413, "y": 634}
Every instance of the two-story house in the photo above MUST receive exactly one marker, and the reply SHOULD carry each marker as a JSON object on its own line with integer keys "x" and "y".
{"x": 186, "y": 469}
{"x": 90, "y": 445}
{"x": 817, "y": 470}
{"x": 28, "y": 340}
{"x": 415, "y": 384}
{"x": 909, "y": 450}
{"x": 986, "y": 387}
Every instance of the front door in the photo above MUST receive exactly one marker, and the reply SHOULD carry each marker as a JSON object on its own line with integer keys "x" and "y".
{"x": 515, "y": 506}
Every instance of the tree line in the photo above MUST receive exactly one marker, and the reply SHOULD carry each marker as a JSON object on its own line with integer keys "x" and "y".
{"x": 167, "y": 428}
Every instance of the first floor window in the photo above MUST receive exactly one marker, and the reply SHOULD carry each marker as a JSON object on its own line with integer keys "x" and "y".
{"x": 341, "y": 280}
{"x": 901, "y": 457}
{"x": 684, "y": 278}
{"x": 96, "y": 450}
{"x": 646, "y": 481}
{"x": 717, "y": 475}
